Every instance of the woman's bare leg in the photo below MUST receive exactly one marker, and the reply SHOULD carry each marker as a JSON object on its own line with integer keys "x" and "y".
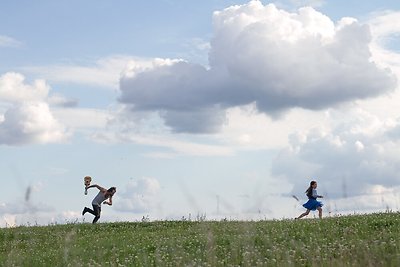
{"x": 304, "y": 214}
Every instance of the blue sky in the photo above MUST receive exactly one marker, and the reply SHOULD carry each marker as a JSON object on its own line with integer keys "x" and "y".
{"x": 220, "y": 108}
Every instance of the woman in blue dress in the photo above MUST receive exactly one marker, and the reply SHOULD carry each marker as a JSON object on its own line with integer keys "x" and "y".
{"x": 312, "y": 203}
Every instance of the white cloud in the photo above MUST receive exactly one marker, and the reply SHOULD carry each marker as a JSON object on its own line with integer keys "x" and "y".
{"x": 89, "y": 119}
{"x": 61, "y": 101}
{"x": 27, "y": 117}
{"x": 146, "y": 128}
{"x": 249, "y": 129}
{"x": 355, "y": 153}
{"x": 14, "y": 89}
{"x": 300, "y": 3}
{"x": 349, "y": 158}
{"x": 104, "y": 73}
{"x": 30, "y": 123}
{"x": 176, "y": 145}
{"x": 24, "y": 206}
{"x": 385, "y": 28}
{"x": 300, "y": 59}
{"x": 6, "y": 41}
{"x": 377, "y": 199}
{"x": 19, "y": 208}
{"x": 138, "y": 196}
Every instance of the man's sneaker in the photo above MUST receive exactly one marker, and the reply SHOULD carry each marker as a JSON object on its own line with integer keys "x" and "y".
{"x": 84, "y": 211}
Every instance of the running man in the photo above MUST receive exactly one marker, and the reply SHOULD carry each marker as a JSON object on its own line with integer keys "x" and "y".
{"x": 101, "y": 197}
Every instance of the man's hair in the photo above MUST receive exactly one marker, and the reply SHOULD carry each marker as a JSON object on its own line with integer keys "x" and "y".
{"x": 112, "y": 189}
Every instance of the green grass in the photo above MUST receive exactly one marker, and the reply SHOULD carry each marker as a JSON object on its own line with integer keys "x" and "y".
{"x": 359, "y": 240}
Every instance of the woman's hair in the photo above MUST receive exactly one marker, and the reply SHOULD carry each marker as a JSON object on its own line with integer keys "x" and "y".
{"x": 111, "y": 189}
{"x": 309, "y": 189}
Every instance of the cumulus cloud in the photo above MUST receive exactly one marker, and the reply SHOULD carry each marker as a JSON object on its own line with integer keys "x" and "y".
{"x": 263, "y": 55}
{"x": 30, "y": 123}
{"x": 348, "y": 159}
{"x": 27, "y": 117}
{"x": 138, "y": 196}
{"x": 14, "y": 89}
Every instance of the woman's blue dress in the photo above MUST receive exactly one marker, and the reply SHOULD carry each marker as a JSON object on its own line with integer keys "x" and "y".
{"x": 312, "y": 204}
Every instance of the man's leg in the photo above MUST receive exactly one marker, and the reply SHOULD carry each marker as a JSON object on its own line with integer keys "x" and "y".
{"x": 97, "y": 211}
{"x": 88, "y": 210}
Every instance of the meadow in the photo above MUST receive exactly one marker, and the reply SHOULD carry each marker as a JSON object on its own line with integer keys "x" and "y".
{"x": 357, "y": 240}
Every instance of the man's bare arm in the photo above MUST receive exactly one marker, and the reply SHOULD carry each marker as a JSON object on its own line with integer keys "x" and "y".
{"x": 98, "y": 187}
{"x": 109, "y": 202}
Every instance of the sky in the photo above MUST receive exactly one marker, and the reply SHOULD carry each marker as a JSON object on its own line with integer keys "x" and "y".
{"x": 209, "y": 109}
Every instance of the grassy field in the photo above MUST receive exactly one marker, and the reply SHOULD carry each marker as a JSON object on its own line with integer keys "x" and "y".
{"x": 359, "y": 240}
